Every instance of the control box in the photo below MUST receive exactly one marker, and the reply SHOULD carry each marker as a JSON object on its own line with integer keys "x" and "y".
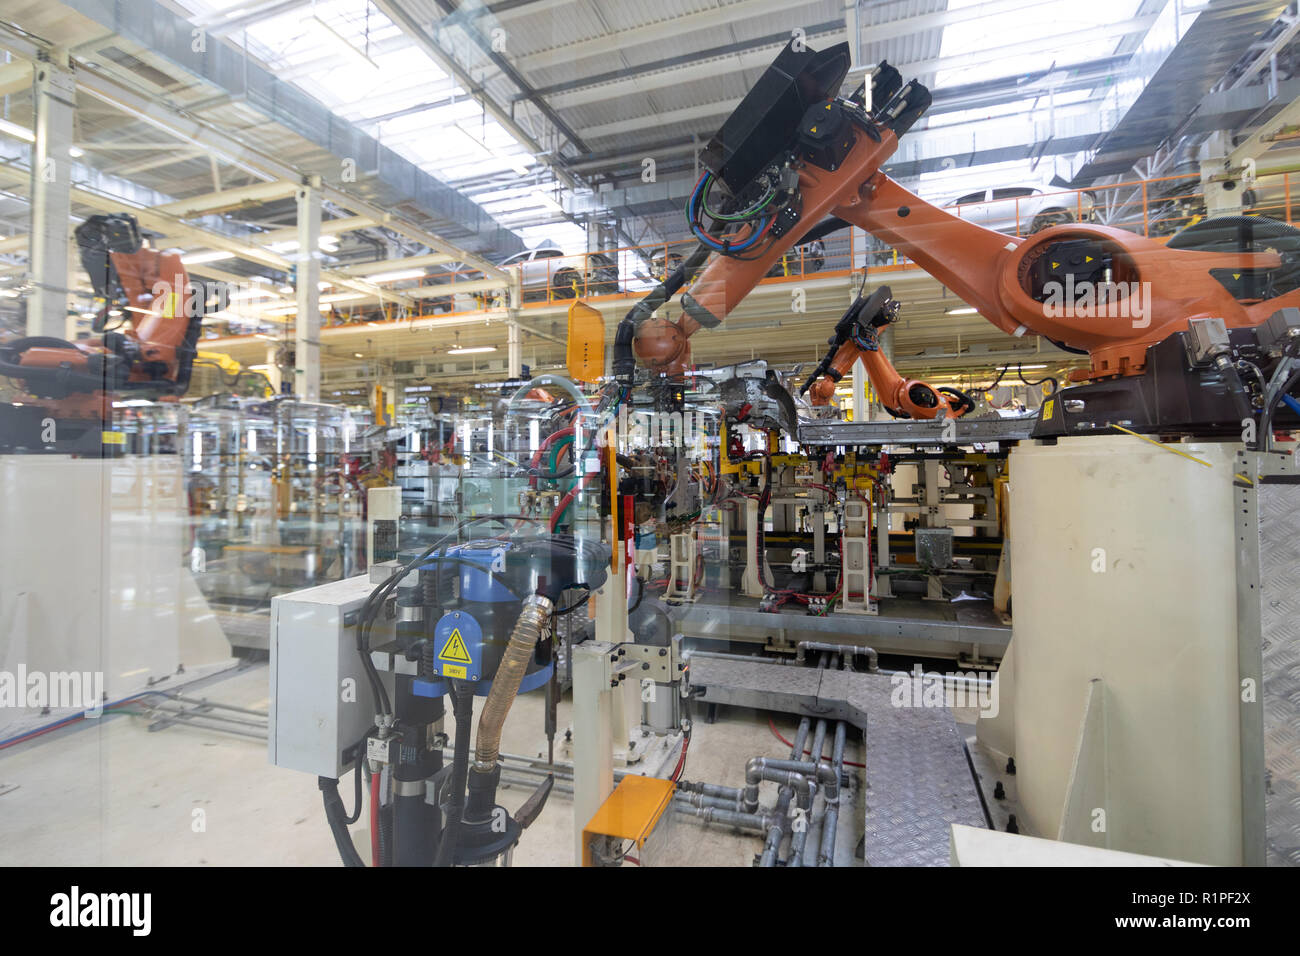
{"x": 321, "y": 701}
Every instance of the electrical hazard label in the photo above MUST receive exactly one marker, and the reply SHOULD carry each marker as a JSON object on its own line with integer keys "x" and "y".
{"x": 454, "y": 650}
{"x": 459, "y": 641}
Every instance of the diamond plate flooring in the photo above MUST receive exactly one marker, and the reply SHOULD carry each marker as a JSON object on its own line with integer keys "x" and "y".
{"x": 917, "y": 777}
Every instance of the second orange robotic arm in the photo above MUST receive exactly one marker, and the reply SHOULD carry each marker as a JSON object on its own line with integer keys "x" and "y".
{"x": 856, "y": 338}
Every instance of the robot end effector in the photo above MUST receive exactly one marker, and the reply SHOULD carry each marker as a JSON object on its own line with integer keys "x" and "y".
{"x": 856, "y": 337}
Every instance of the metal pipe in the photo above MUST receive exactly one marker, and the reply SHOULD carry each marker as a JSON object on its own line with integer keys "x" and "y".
{"x": 848, "y": 650}
{"x": 819, "y": 743}
{"x": 759, "y": 822}
{"x": 528, "y": 630}
{"x": 831, "y": 819}
{"x": 188, "y": 714}
{"x": 823, "y": 773}
{"x": 776, "y": 832}
{"x": 558, "y": 787}
{"x": 757, "y": 771}
{"x": 800, "y": 838}
{"x": 721, "y": 656}
{"x": 707, "y": 800}
{"x": 212, "y": 703}
{"x": 711, "y": 790}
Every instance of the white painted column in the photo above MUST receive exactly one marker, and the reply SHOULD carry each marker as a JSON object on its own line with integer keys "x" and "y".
{"x": 273, "y": 370}
{"x": 514, "y": 350}
{"x": 54, "y": 98}
{"x": 306, "y": 371}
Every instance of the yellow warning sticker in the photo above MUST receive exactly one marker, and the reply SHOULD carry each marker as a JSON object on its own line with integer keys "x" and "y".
{"x": 455, "y": 650}
{"x": 1047, "y": 408}
{"x": 454, "y": 670}
{"x": 113, "y": 438}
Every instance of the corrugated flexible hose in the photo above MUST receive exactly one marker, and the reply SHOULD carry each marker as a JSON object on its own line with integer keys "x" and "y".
{"x": 528, "y": 631}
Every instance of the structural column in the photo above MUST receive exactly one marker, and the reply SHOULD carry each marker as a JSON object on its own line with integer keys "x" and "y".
{"x": 306, "y": 362}
{"x": 54, "y": 101}
{"x": 514, "y": 350}
{"x": 273, "y": 369}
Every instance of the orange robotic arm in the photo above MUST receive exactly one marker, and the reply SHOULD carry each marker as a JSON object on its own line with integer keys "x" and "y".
{"x": 154, "y": 351}
{"x": 1104, "y": 290}
{"x": 856, "y": 338}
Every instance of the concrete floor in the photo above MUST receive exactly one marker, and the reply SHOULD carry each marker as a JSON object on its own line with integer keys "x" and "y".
{"x": 113, "y": 793}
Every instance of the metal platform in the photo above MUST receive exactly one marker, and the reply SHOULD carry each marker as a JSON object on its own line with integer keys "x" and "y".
{"x": 918, "y": 780}
{"x": 966, "y": 630}
{"x": 964, "y": 431}
{"x": 1268, "y": 645}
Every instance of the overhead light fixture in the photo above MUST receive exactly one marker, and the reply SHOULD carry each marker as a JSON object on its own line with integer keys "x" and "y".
{"x": 397, "y": 276}
{"x": 546, "y": 200}
{"x": 469, "y": 139}
{"x": 962, "y": 311}
{"x": 241, "y": 294}
{"x": 360, "y": 355}
{"x": 21, "y": 132}
{"x": 515, "y": 162}
{"x": 198, "y": 258}
{"x": 327, "y": 32}
{"x": 472, "y": 350}
{"x": 324, "y": 244}
{"x": 76, "y": 152}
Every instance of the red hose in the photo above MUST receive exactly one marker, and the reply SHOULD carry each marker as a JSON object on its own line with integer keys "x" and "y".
{"x": 681, "y": 761}
{"x": 546, "y": 443}
{"x": 374, "y": 818}
{"x": 568, "y": 499}
{"x": 550, "y": 440}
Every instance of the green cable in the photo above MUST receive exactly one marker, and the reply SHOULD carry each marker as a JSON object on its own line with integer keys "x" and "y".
{"x": 738, "y": 217}
{"x": 555, "y": 453}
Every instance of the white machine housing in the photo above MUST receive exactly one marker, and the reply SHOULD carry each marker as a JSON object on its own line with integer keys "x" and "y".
{"x": 321, "y": 701}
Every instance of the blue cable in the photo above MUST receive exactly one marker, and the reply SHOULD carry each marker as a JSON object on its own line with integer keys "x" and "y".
{"x": 704, "y": 237}
{"x": 75, "y": 717}
{"x": 1291, "y": 403}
